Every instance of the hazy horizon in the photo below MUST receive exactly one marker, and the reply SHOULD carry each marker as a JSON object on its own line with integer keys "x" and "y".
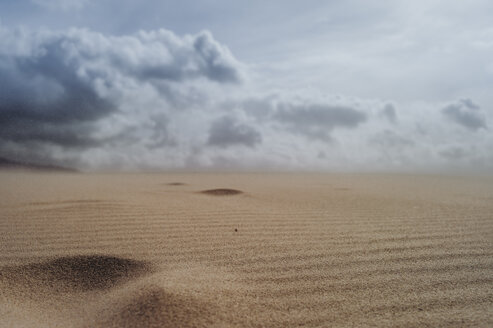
{"x": 339, "y": 86}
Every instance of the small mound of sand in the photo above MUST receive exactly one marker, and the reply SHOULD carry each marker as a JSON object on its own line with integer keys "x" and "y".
{"x": 77, "y": 273}
{"x": 222, "y": 192}
{"x": 152, "y": 306}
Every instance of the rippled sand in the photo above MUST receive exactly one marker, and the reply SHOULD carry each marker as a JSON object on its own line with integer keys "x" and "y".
{"x": 245, "y": 250}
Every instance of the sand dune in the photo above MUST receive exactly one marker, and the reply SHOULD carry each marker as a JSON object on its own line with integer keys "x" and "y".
{"x": 222, "y": 192}
{"x": 74, "y": 274}
{"x": 280, "y": 250}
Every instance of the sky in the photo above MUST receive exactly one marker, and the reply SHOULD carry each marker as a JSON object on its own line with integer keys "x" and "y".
{"x": 353, "y": 85}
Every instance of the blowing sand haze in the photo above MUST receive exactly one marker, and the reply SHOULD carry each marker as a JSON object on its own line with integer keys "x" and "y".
{"x": 312, "y": 250}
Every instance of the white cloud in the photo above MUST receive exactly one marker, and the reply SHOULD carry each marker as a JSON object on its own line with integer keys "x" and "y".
{"x": 400, "y": 50}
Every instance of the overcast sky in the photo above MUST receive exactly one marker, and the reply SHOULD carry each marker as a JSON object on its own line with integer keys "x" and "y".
{"x": 353, "y": 85}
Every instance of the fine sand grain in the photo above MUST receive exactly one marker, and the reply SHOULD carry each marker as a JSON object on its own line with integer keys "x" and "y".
{"x": 278, "y": 250}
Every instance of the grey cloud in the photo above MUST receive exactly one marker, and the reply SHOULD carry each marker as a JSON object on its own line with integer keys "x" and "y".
{"x": 258, "y": 108}
{"x": 469, "y": 104}
{"x": 160, "y": 133}
{"x": 56, "y": 88}
{"x": 318, "y": 121}
{"x": 389, "y": 113}
{"x": 216, "y": 62}
{"x": 467, "y": 114}
{"x": 161, "y": 55}
{"x": 44, "y": 100}
{"x": 227, "y": 132}
{"x": 153, "y": 134}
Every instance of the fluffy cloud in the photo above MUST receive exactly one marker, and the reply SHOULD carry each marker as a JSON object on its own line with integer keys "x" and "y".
{"x": 81, "y": 89}
{"x": 226, "y": 132}
{"x": 467, "y": 114}
{"x": 45, "y": 100}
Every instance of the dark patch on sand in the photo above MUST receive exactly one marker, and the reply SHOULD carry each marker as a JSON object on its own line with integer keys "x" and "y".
{"x": 176, "y": 184}
{"x": 74, "y": 274}
{"x": 222, "y": 192}
{"x": 154, "y": 307}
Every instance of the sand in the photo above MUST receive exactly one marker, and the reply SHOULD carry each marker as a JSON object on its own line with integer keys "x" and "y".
{"x": 245, "y": 250}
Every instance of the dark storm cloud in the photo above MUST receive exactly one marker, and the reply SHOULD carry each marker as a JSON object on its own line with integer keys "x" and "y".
{"x": 467, "y": 114}
{"x": 44, "y": 100}
{"x": 57, "y": 87}
{"x": 227, "y": 132}
{"x": 318, "y": 121}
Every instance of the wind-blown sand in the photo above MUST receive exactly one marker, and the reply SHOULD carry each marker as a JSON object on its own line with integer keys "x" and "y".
{"x": 245, "y": 250}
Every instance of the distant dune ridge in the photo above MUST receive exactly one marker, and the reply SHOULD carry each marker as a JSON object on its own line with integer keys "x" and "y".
{"x": 21, "y": 165}
{"x": 311, "y": 250}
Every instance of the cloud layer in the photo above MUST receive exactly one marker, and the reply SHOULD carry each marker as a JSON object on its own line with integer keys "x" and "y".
{"x": 156, "y": 100}
{"x": 467, "y": 114}
{"x": 80, "y": 89}
{"x": 227, "y": 132}
{"x": 317, "y": 121}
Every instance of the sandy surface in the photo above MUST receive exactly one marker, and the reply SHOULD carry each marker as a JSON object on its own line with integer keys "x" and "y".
{"x": 245, "y": 250}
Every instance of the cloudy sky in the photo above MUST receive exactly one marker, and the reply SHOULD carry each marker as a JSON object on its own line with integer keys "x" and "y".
{"x": 353, "y": 85}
